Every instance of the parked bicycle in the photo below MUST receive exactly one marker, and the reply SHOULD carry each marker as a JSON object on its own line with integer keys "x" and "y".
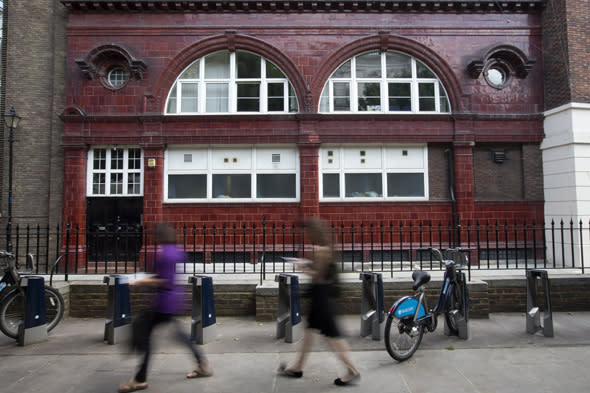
{"x": 408, "y": 318}
{"x": 12, "y": 303}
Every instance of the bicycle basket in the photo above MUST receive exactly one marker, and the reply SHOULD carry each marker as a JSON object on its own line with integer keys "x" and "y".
{"x": 460, "y": 257}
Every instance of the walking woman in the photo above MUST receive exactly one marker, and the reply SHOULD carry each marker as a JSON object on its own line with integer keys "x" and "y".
{"x": 322, "y": 270}
{"x": 167, "y": 304}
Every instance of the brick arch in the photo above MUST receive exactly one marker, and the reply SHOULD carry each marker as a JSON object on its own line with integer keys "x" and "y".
{"x": 232, "y": 42}
{"x": 384, "y": 42}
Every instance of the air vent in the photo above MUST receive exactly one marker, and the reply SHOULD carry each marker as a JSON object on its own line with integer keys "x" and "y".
{"x": 188, "y": 158}
{"x": 276, "y": 158}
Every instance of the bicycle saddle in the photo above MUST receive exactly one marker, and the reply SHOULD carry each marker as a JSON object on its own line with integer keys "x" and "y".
{"x": 420, "y": 278}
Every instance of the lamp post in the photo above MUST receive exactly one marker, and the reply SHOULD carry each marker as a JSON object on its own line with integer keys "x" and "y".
{"x": 11, "y": 120}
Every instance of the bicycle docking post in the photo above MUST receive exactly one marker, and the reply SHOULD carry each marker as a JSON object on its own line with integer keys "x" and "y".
{"x": 372, "y": 305}
{"x": 118, "y": 319}
{"x": 289, "y": 323}
{"x": 34, "y": 328}
{"x": 462, "y": 322}
{"x": 533, "y": 315}
{"x": 203, "y": 319}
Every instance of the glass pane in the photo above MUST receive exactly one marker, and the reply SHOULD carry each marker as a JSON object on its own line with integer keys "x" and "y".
{"x": 116, "y": 183}
{"x": 189, "y": 97}
{"x": 426, "y": 95}
{"x": 231, "y": 186}
{"x": 275, "y": 186}
{"x": 400, "y": 97}
{"x": 405, "y": 184}
{"x": 98, "y": 184}
{"x": 423, "y": 71}
{"x": 134, "y": 161}
{"x": 99, "y": 161}
{"x": 324, "y": 103}
{"x": 341, "y": 96}
{"x": 192, "y": 72}
{"x": 117, "y": 159}
{"x": 293, "y": 106}
{"x": 444, "y": 101}
{"x": 398, "y": 65}
{"x": 217, "y": 66}
{"x": 272, "y": 71}
{"x": 369, "y": 97}
{"x": 171, "y": 107}
{"x": 363, "y": 185}
{"x": 343, "y": 71}
{"x": 248, "y": 65}
{"x": 248, "y": 97}
{"x": 187, "y": 186}
{"x": 217, "y": 99}
{"x": 331, "y": 185}
{"x": 133, "y": 183}
{"x": 276, "y": 99}
{"x": 368, "y": 65}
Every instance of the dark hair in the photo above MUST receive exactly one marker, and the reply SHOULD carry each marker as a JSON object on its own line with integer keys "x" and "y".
{"x": 164, "y": 233}
{"x": 317, "y": 231}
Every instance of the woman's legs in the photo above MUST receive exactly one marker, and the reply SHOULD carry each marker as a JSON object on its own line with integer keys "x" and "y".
{"x": 341, "y": 349}
{"x": 155, "y": 319}
{"x": 303, "y": 351}
{"x": 203, "y": 368}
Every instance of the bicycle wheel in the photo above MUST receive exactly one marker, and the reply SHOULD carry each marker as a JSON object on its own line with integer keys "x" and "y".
{"x": 457, "y": 309}
{"x": 12, "y": 310}
{"x": 402, "y": 337}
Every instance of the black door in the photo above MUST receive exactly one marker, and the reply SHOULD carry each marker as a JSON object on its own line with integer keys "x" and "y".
{"x": 113, "y": 227}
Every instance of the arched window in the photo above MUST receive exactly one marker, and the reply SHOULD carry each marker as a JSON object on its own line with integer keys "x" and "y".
{"x": 384, "y": 82}
{"x": 231, "y": 82}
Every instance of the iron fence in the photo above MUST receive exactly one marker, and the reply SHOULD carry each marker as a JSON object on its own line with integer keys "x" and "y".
{"x": 235, "y": 248}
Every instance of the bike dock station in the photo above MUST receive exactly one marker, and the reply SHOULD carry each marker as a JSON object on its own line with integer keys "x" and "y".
{"x": 534, "y": 280}
{"x": 118, "y": 319}
{"x": 462, "y": 317}
{"x": 372, "y": 305}
{"x": 34, "y": 327}
{"x": 203, "y": 319}
{"x": 289, "y": 324}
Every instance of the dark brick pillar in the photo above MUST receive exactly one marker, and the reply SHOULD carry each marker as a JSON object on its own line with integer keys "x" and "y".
{"x": 153, "y": 184}
{"x": 308, "y": 161}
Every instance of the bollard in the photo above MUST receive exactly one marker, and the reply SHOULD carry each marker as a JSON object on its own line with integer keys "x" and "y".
{"x": 372, "y": 305}
{"x": 117, "y": 326}
{"x": 533, "y": 315}
{"x": 289, "y": 323}
{"x": 203, "y": 310}
{"x": 34, "y": 327}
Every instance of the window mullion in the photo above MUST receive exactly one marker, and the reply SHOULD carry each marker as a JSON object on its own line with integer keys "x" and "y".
{"x": 353, "y": 88}
{"x": 233, "y": 87}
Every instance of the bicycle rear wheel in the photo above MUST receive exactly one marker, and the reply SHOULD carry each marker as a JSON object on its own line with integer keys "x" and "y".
{"x": 12, "y": 310}
{"x": 402, "y": 337}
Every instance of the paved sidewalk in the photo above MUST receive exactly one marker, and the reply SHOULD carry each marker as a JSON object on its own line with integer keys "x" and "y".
{"x": 499, "y": 357}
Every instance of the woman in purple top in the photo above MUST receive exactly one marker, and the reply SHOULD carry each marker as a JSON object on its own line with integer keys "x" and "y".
{"x": 168, "y": 302}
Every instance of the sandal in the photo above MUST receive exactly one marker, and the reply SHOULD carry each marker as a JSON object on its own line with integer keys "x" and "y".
{"x": 199, "y": 373}
{"x": 351, "y": 380}
{"x": 131, "y": 386}
{"x": 284, "y": 371}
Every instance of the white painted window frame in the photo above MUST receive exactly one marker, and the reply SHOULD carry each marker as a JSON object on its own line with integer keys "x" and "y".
{"x": 108, "y": 171}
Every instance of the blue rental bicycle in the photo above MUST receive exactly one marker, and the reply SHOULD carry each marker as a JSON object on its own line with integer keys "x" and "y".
{"x": 409, "y": 316}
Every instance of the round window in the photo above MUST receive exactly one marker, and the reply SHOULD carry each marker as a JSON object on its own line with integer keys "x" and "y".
{"x": 117, "y": 77}
{"x": 497, "y": 76}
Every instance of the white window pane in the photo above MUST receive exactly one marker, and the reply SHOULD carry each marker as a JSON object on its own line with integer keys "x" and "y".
{"x": 276, "y": 97}
{"x": 134, "y": 161}
{"x": 192, "y": 72}
{"x": 272, "y": 71}
{"x": 171, "y": 107}
{"x": 133, "y": 183}
{"x": 189, "y": 97}
{"x": 100, "y": 159}
{"x": 248, "y": 65}
{"x": 324, "y": 103}
{"x": 217, "y": 97}
{"x": 341, "y": 96}
{"x": 231, "y": 186}
{"x": 398, "y": 65}
{"x": 363, "y": 185}
{"x": 116, "y": 183}
{"x": 275, "y": 186}
{"x": 368, "y": 65}
{"x": 331, "y": 185}
{"x": 117, "y": 159}
{"x": 248, "y": 97}
{"x": 98, "y": 184}
{"x": 423, "y": 71}
{"x": 343, "y": 71}
{"x": 426, "y": 97}
{"x": 444, "y": 101}
{"x": 405, "y": 184}
{"x": 187, "y": 186}
{"x": 293, "y": 105}
{"x": 217, "y": 66}
{"x": 400, "y": 97}
{"x": 369, "y": 97}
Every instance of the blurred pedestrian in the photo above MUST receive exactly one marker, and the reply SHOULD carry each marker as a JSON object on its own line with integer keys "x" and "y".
{"x": 168, "y": 303}
{"x": 323, "y": 272}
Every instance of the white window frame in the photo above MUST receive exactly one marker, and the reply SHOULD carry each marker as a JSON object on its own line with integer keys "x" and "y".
{"x": 209, "y": 172}
{"x": 384, "y": 170}
{"x": 125, "y": 171}
{"x": 232, "y": 83}
{"x": 384, "y": 81}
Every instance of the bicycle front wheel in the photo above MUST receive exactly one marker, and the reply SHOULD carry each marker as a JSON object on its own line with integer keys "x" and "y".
{"x": 458, "y": 307}
{"x": 402, "y": 337}
{"x": 12, "y": 310}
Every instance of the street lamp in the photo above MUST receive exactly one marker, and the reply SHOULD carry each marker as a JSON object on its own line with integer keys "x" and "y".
{"x": 11, "y": 120}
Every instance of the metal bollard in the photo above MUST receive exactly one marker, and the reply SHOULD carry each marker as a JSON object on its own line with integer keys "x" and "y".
{"x": 533, "y": 315}
{"x": 289, "y": 323}
{"x": 34, "y": 327}
{"x": 372, "y": 305}
{"x": 117, "y": 326}
{"x": 203, "y": 309}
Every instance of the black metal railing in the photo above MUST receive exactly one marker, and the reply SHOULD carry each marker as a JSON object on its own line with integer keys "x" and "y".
{"x": 259, "y": 247}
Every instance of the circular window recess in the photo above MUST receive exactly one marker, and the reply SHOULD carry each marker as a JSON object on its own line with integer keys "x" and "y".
{"x": 117, "y": 77}
{"x": 497, "y": 76}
